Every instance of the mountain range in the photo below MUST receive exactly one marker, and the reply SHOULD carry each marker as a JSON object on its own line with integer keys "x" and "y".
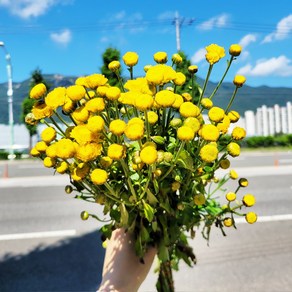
{"x": 248, "y": 98}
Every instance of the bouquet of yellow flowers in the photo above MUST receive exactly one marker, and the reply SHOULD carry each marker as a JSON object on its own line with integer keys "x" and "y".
{"x": 146, "y": 153}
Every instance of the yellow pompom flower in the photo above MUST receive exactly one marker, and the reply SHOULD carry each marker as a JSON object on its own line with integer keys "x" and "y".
{"x": 51, "y": 151}
{"x": 228, "y": 222}
{"x": 140, "y": 85}
{"x": 95, "y": 80}
{"x": 193, "y": 69}
{"x": 41, "y": 146}
{"x": 238, "y": 133}
{"x": 199, "y": 199}
{"x": 143, "y": 101}
{"x": 223, "y": 126}
{"x": 134, "y": 131}
{"x": 239, "y": 80}
{"x": 88, "y": 152}
{"x": 224, "y": 163}
{"x": 56, "y": 98}
{"x": 243, "y": 182}
{"x": 193, "y": 123}
{"x": 216, "y": 114}
{"x": 81, "y": 81}
{"x": 178, "y": 101}
{"x": 114, "y": 66}
{"x": 214, "y": 53}
{"x": 160, "y": 74}
{"x": 188, "y": 109}
{"x": 130, "y": 59}
{"x": 248, "y": 200}
{"x": 231, "y": 196}
{"x": 99, "y": 176}
{"x": 152, "y": 117}
{"x": 62, "y": 167}
{"x": 233, "y": 174}
{"x": 48, "y": 135}
{"x": 176, "y": 58}
{"x": 105, "y": 161}
{"x": 49, "y": 162}
{"x": 148, "y": 155}
{"x": 235, "y": 50}
{"x": 160, "y": 57}
{"x": 34, "y": 152}
{"x": 65, "y": 148}
{"x": 209, "y": 153}
{"x": 38, "y": 91}
{"x": 209, "y": 133}
{"x": 101, "y": 90}
{"x": 179, "y": 79}
{"x": 233, "y": 149}
{"x": 185, "y": 133}
{"x": 186, "y": 96}
{"x": 95, "y": 124}
{"x": 81, "y": 114}
{"x": 113, "y": 93}
{"x": 251, "y": 217}
{"x": 117, "y": 127}
{"x": 75, "y": 92}
{"x": 80, "y": 171}
{"x": 69, "y": 105}
{"x": 206, "y": 103}
{"x": 165, "y": 98}
{"x": 95, "y": 105}
{"x": 233, "y": 116}
{"x": 116, "y": 151}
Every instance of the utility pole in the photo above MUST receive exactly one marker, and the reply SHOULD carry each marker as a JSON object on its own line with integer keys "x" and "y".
{"x": 179, "y": 22}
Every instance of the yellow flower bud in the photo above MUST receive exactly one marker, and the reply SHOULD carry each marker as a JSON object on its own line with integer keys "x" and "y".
{"x": 235, "y": 50}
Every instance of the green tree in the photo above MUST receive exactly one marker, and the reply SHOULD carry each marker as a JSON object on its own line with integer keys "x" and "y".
{"x": 187, "y": 87}
{"x": 110, "y": 54}
{"x": 27, "y": 103}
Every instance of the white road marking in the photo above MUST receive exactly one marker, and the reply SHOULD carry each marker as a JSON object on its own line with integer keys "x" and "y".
{"x": 271, "y": 218}
{"x": 34, "y": 235}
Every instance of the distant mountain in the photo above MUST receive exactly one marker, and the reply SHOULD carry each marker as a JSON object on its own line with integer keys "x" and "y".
{"x": 248, "y": 98}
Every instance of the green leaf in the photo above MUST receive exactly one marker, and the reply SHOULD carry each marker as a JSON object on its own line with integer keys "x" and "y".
{"x": 151, "y": 197}
{"x": 124, "y": 215}
{"x": 148, "y": 211}
{"x": 185, "y": 160}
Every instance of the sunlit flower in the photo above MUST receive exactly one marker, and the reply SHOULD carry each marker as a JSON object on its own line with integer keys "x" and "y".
{"x": 56, "y": 98}
{"x": 176, "y": 58}
{"x": 80, "y": 114}
{"x": 105, "y": 161}
{"x": 235, "y": 50}
{"x": 160, "y": 57}
{"x": 238, "y": 133}
{"x": 193, "y": 69}
{"x": 95, "y": 124}
{"x": 214, "y": 53}
{"x": 193, "y": 123}
{"x": 233, "y": 149}
{"x": 206, "y": 103}
{"x": 65, "y": 148}
{"x": 251, "y": 217}
{"x": 230, "y": 196}
{"x": 233, "y": 174}
{"x": 88, "y": 152}
{"x": 117, "y": 127}
{"x": 148, "y": 155}
{"x": 243, "y": 182}
{"x": 75, "y": 92}
{"x": 228, "y": 222}
{"x": 113, "y": 93}
{"x": 62, "y": 167}
{"x": 152, "y": 117}
{"x": 95, "y": 105}
{"x": 95, "y": 80}
{"x": 248, "y": 200}
{"x": 134, "y": 131}
{"x": 223, "y": 126}
{"x": 209, "y": 133}
{"x": 216, "y": 114}
{"x": 48, "y": 134}
{"x": 49, "y": 162}
{"x": 130, "y": 59}
{"x": 38, "y": 91}
{"x": 139, "y": 85}
{"x": 179, "y": 79}
{"x": 40, "y": 111}
{"x": 165, "y": 98}
{"x": 99, "y": 176}
{"x": 114, "y": 66}
{"x": 143, "y": 101}
{"x": 239, "y": 80}
{"x": 188, "y": 109}
{"x": 115, "y": 151}
{"x": 41, "y": 146}
{"x": 233, "y": 116}
{"x": 185, "y": 133}
{"x": 209, "y": 153}
{"x": 34, "y": 152}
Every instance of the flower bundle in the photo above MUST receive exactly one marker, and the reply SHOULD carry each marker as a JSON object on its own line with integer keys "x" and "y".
{"x": 146, "y": 153}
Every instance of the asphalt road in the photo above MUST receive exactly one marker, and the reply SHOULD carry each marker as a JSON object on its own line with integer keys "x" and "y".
{"x": 44, "y": 246}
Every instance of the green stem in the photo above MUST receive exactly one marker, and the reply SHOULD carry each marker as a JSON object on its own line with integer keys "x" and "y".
{"x": 61, "y": 119}
{"x": 147, "y": 126}
{"x": 223, "y": 77}
{"x": 174, "y": 161}
{"x": 57, "y": 126}
{"x": 231, "y": 100}
{"x": 205, "y": 83}
{"x": 125, "y": 168}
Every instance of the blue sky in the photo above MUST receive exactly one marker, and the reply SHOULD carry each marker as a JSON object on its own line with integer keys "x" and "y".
{"x": 68, "y": 37}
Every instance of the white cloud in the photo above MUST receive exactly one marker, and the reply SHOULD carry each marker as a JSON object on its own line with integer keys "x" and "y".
{"x": 63, "y": 37}
{"x": 214, "y": 22}
{"x": 276, "y": 66}
{"x": 198, "y": 56}
{"x": 284, "y": 28}
{"x": 28, "y": 8}
{"x": 247, "y": 39}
